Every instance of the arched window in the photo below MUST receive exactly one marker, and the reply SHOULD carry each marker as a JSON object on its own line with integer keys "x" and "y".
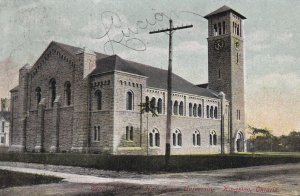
{"x": 181, "y": 108}
{"x": 129, "y": 133}
{"x": 159, "y": 106}
{"x": 129, "y": 100}
{"x": 196, "y": 138}
{"x": 147, "y": 104}
{"x": 52, "y": 91}
{"x": 207, "y": 111}
{"x": 98, "y": 95}
{"x": 213, "y": 138}
{"x": 68, "y": 93}
{"x": 177, "y": 138}
{"x": 190, "y": 109}
{"x": 175, "y": 108}
{"x": 195, "y": 110}
{"x": 199, "y": 110}
{"x": 152, "y": 104}
{"x": 154, "y": 138}
{"x": 38, "y": 95}
{"x": 211, "y": 112}
{"x": 216, "y": 112}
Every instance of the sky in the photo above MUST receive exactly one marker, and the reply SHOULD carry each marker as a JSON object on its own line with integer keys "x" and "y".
{"x": 271, "y": 32}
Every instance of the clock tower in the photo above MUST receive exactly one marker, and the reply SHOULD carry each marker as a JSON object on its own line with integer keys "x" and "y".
{"x": 226, "y": 68}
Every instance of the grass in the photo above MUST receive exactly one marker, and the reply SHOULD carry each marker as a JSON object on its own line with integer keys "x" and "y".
{"x": 11, "y": 179}
{"x": 292, "y": 154}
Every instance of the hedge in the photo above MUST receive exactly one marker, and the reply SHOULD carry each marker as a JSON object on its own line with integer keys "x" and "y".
{"x": 178, "y": 163}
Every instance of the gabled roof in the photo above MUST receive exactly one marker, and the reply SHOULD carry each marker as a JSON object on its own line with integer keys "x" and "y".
{"x": 224, "y": 9}
{"x": 157, "y": 78}
{"x": 5, "y": 115}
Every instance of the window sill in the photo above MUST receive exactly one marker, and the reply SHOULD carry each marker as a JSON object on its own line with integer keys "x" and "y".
{"x": 154, "y": 147}
{"x": 177, "y": 146}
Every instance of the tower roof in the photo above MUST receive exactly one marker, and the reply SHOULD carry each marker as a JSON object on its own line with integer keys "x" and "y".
{"x": 224, "y": 9}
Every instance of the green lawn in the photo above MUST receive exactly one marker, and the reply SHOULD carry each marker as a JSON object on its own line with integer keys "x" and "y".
{"x": 273, "y": 153}
{"x": 10, "y": 179}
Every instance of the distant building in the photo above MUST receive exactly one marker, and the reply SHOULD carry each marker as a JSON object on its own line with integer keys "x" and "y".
{"x": 74, "y": 100}
{"x": 4, "y": 123}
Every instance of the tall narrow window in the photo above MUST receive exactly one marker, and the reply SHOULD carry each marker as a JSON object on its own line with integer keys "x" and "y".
{"x": 216, "y": 113}
{"x": 195, "y": 110}
{"x": 181, "y": 108}
{"x": 38, "y": 95}
{"x": 98, "y": 95}
{"x": 52, "y": 91}
{"x": 233, "y": 27}
{"x": 211, "y": 112}
{"x": 224, "y": 27}
{"x": 175, "y": 108}
{"x": 238, "y": 30}
{"x": 159, "y": 106}
{"x": 151, "y": 139}
{"x": 153, "y": 104}
{"x": 157, "y": 139}
{"x": 129, "y": 100}
{"x": 219, "y": 73}
{"x": 68, "y": 93}
{"x": 199, "y": 110}
{"x": 190, "y": 109}
{"x": 220, "y": 28}
{"x": 147, "y": 104}
{"x": 129, "y": 133}
{"x": 3, "y": 123}
{"x": 97, "y": 133}
{"x": 207, "y": 111}
{"x": 237, "y": 57}
{"x": 215, "y": 30}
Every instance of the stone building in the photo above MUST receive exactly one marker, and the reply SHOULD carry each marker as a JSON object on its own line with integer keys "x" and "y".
{"x": 75, "y": 100}
{"x": 4, "y": 122}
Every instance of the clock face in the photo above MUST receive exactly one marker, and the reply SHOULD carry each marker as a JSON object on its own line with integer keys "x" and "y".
{"x": 219, "y": 44}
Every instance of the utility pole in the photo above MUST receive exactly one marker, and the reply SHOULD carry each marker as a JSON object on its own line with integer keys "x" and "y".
{"x": 169, "y": 100}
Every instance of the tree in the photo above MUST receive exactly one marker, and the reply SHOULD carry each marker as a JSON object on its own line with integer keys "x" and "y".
{"x": 146, "y": 108}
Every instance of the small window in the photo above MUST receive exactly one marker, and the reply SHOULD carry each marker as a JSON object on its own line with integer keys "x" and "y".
{"x": 129, "y": 100}
{"x": 3, "y": 126}
{"x": 129, "y": 133}
{"x": 2, "y": 140}
{"x": 68, "y": 93}
{"x": 98, "y": 95}
{"x": 96, "y": 133}
{"x": 224, "y": 27}
{"x": 38, "y": 95}
{"x": 219, "y": 73}
{"x": 52, "y": 91}
{"x": 213, "y": 138}
{"x": 196, "y": 138}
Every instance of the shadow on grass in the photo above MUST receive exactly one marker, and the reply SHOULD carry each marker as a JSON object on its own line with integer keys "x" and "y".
{"x": 11, "y": 179}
